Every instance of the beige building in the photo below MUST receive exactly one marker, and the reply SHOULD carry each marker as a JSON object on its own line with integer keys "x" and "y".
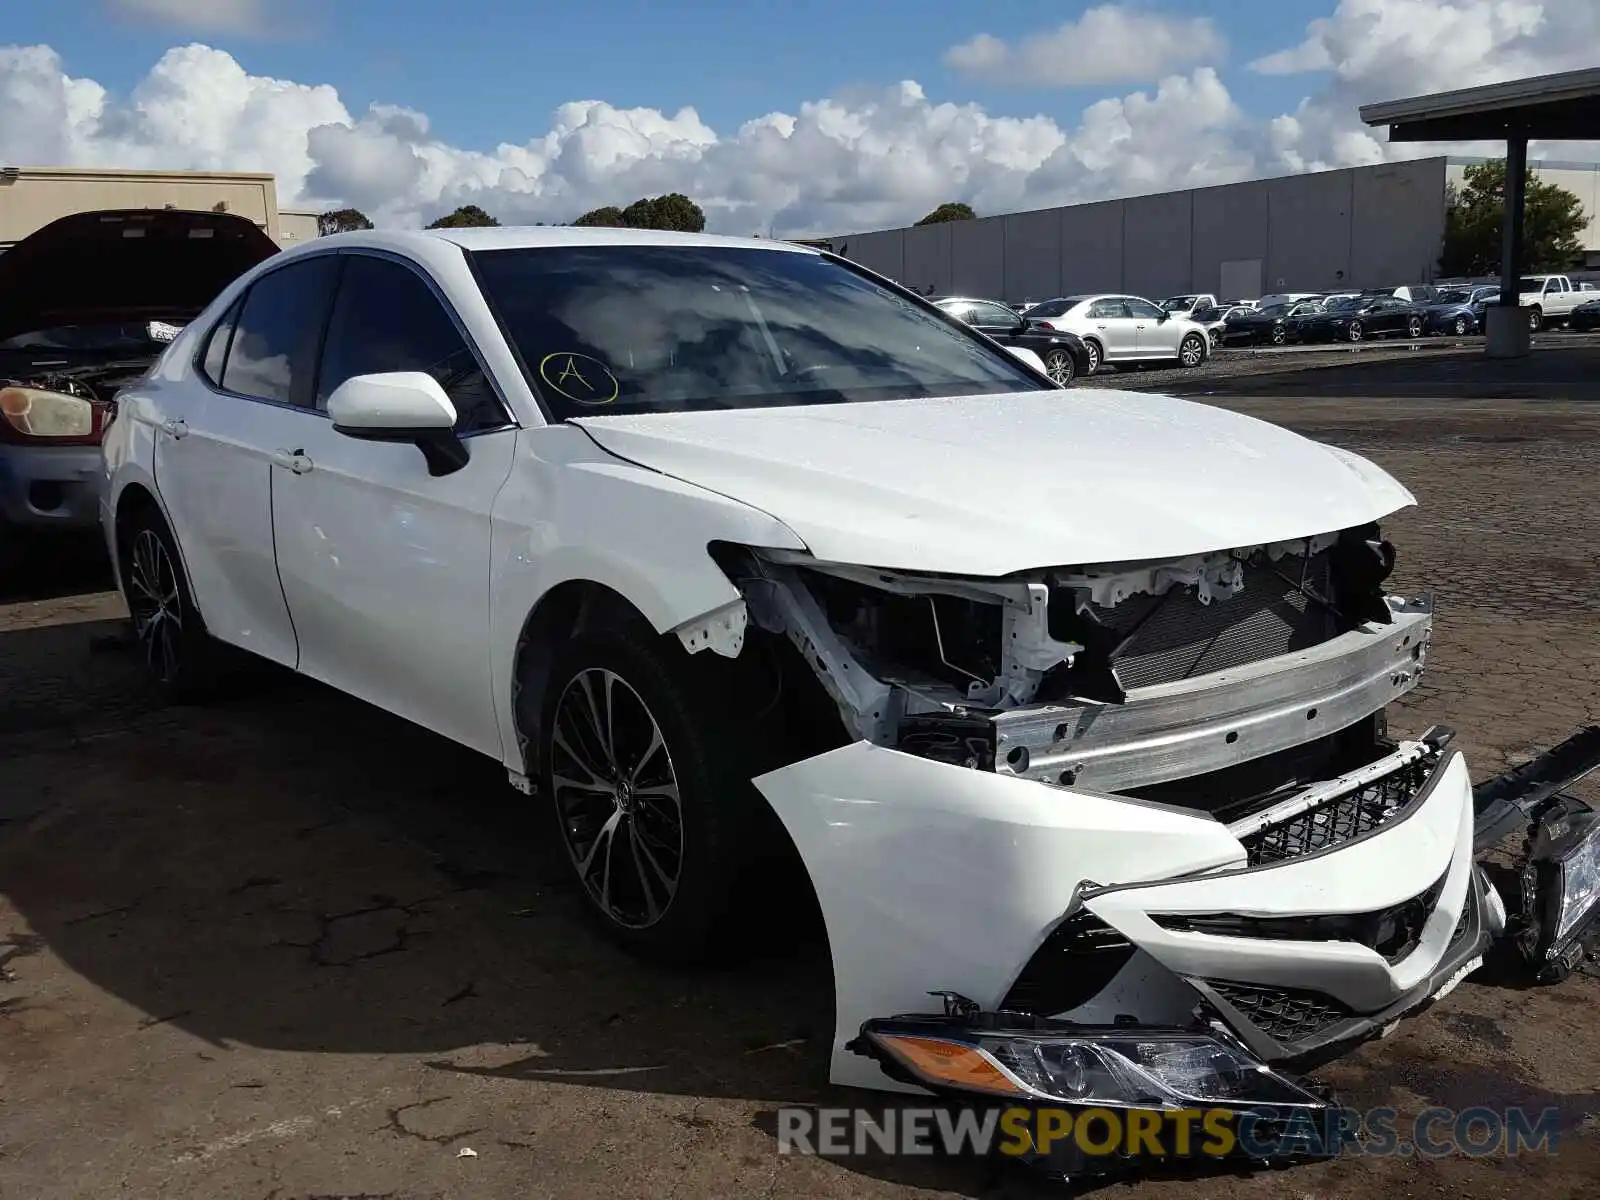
{"x": 32, "y": 197}
{"x": 296, "y": 225}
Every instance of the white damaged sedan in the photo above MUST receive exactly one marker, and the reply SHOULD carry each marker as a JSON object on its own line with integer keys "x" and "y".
{"x": 1071, "y": 703}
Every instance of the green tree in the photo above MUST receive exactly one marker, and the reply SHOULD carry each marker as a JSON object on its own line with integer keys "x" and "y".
{"x": 1552, "y": 219}
{"x": 673, "y": 211}
{"x": 954, "y": 211}
{"x": 341, "y": 220}
{"x": 468, "y": 216}
{"x": 609, "y": 217}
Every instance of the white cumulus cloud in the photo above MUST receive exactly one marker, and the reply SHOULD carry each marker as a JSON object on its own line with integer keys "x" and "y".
{"x": 1111, "y": 43}
{"x": 865, "y": 159}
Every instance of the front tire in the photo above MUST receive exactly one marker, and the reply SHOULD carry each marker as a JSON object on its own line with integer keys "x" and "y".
{"x": 1192, "y": 350}
{"x": 1535, "y": 320}
{"x": 1059, "y": 366}
{"x": 1461, "y": 326}
{"x": 647, "y": 772}
{"x": 1095, "y": 355}
{"x": 1354, "y": 332}
{"x": 181, "y": 659}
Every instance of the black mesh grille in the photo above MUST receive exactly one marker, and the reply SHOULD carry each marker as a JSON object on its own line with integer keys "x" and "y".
{"x": 1077, "y": 960}
{"x": 1340, "y": 819}
{"x": 1285, "y": 1015}
{"x": 1174, "y": 636}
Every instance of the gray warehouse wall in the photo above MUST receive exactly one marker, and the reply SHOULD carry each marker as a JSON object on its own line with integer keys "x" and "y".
{"x": 1091, "y": 247}
{"x": 1398, "y": 211}
{"x": 1369, "y": 227}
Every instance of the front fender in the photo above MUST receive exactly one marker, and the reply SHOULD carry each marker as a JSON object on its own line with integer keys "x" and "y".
{"x": 571, "y": 511}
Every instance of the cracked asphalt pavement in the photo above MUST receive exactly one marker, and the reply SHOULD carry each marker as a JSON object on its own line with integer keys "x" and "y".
{"x": 290, "y": 947}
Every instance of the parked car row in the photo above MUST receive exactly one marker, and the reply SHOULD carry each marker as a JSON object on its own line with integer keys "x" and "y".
{"x": 1077, "y": 335}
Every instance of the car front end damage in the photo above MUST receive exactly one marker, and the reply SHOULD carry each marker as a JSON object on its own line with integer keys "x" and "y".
{"x": 1136, "y": 835}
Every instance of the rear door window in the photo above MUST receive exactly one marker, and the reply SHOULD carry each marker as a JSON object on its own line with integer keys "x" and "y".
{"x": 216, "y": 352}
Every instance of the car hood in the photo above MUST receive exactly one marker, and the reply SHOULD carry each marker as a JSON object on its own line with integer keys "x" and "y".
{"x": 990, "y": 485}
{"x": 124, "y": 265}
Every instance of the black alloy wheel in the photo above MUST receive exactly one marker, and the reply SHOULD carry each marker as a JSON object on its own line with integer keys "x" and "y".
{"x": 618, "y": 799}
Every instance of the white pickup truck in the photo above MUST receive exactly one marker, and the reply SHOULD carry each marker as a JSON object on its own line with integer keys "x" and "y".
{"x": 1548, "y": 299}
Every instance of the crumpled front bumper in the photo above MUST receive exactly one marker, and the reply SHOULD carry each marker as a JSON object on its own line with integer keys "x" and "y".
{"x": 935, "y": 878}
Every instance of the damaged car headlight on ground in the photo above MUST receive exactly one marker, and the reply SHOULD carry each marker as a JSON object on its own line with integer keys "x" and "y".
{"x": 1080, "y": 1066}
{"x": 1555, "y": 882}
{"x": 1562, "y": 881}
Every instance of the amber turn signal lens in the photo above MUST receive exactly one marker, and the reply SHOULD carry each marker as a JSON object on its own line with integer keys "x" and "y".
{"x": 950, "y": 1064}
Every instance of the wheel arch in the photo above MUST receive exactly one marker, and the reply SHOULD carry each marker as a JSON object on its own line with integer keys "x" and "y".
{"x": 133, "y": 498}
{"x": 565, "y": 610}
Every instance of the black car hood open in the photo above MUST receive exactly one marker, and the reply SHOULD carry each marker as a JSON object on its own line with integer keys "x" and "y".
{"x": 124, "y": 265}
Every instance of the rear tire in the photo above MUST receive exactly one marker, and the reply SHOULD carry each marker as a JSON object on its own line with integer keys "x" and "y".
{"x": 663, "y": 830}
{"x": 1059, "y": 366}
{"x": 184, "y": 662}
{"x": 1279, "y": 335}
{"x": 1414, "y": 328}
{"x": 1354, "y": 332}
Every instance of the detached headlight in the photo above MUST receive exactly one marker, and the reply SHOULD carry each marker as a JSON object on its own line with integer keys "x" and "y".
{"x": 1562, "y": 879}
{"x": 1101, "y": 1067}
{"x": 36, "y": 413}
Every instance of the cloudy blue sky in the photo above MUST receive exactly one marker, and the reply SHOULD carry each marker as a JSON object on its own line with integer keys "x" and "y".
{"x": 806, "y": 116}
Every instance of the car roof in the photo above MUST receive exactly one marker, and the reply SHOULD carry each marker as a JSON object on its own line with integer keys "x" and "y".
{"x": 528, "y": 237}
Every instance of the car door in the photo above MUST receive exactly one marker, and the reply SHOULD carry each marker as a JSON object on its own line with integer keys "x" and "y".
{"x": 1157, "y": 332}
{"x": 1108, "y": 319}
{"x": 1391, "y": 316}
{"x": 252, "y": 389}
{"x": 385, "y": 567}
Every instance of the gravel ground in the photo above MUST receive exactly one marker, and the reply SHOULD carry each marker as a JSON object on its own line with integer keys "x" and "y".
{"x": 291, "y": 947}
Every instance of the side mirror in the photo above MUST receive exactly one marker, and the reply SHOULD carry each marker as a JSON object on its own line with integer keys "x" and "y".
{"x": 1164, "y": 317}
{"x": 400, "y": 406}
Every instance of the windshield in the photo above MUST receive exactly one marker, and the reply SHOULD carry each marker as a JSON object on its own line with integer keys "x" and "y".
{"x": 1345, "y": 303}
{"x": 1453, "y": 296}
{"x": 630, "y": 329}
{"x": 1174, "y": 303}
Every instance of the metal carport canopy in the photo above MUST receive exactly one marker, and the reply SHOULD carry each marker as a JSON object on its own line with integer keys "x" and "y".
{"x": 1563, "y": 107}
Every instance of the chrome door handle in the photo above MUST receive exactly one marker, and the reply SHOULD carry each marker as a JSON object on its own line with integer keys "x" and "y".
{"x": 1099, "y": 326}
{"x": 291, "y": 460}
{"x": 175, "y": 429}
